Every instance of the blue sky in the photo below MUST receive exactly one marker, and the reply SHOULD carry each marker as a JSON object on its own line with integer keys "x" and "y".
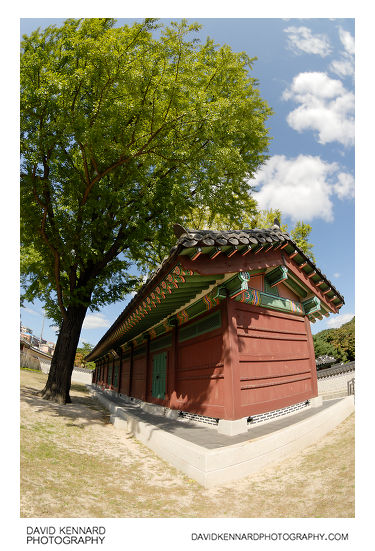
{"x": 305, "y": 69}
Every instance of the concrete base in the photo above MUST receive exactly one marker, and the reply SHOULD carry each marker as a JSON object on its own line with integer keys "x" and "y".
{"x": 154, "y": 409}
{"x": 231, "y": 428}
{"x": 212, "y": 467}
{"x": 316, "y": 402}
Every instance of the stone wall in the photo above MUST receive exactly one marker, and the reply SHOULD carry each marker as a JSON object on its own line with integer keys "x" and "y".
{"x": 82, "y": 375}
{"x": 79, "y": 375}
{"x": 333, "y": 382}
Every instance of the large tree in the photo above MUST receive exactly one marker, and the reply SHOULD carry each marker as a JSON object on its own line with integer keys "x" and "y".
{"x": 124, "y": 131}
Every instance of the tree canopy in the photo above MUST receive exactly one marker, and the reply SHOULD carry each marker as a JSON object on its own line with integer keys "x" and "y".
{"x": 339, "y": 343}
{"x": 300, "y": 234}
{"x": 124, "y": 132}
{"x": 81, "y": 353}
{"x": 121, "y": 134}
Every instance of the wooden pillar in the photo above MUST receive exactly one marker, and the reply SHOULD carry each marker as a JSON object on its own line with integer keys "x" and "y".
{"x": 231, "y": 365}
{"x": 106, "y": 371}
{"x": 314, "y": 376}
{"x": 119, "y": 370}
{"x": 131, "y": 368}
{"x": 113, "y": 369}
{"x": 172, "y": 368}
{"x": 148, "y": 366}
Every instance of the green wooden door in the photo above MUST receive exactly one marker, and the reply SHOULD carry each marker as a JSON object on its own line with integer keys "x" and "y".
{"x": 115, "y": 376}
{"x": 159, "y": 375}
{"x": 109, "y": 375}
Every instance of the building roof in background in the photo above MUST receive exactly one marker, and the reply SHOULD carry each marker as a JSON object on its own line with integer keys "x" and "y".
{"x": 34, "y": 349}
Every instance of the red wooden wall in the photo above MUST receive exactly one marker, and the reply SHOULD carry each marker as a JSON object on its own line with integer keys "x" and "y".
{"x": 139, "y": 376}
{"x": 275, "y": 362}
{"x": 124, "y": 380}
{"x": 200, "y": 385}
{"x": 257, "y": 361}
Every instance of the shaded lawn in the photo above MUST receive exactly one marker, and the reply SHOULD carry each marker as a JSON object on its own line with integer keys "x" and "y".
{"x": 74, "y": 464}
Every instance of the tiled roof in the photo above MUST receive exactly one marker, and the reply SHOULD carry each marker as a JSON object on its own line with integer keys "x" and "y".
{"x": 204, "y": 238}
{"x": 211, "y": 238}
{"x": 321, "y": 360}
{"x": 336, "y": 370}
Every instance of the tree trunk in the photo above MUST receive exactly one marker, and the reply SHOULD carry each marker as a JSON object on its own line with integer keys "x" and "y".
{"x": 59, "y": 379}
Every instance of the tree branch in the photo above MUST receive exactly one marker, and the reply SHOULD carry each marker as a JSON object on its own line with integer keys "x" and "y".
{"x": 56, "y": 266}
{"x": 85, "y": 167}
{"x": 122, "y": 161}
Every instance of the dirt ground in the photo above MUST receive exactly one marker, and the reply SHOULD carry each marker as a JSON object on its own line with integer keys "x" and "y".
{"x": 74, "y": 464}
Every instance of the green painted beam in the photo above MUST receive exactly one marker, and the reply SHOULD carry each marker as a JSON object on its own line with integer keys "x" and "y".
{"x": 298, "y": 289}
{"x": 277, "y": 275}
{"x": 311, "y": 305}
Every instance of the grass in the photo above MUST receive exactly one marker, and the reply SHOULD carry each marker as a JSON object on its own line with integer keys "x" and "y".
{"x": 74, "y": 464}
{"x": 30, "y": 369}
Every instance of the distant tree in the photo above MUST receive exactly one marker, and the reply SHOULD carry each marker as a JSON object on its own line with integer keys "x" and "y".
{"x": 323, "y": 347}
{"x": 344, "y": 339}
{"x": 300, "y": 235}
{"x": 81, "y": 353}
{"x": 339, "y": 343}
{"x": 122, "y": 134}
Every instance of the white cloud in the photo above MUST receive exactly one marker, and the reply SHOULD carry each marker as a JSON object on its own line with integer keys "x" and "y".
{"x": 94, "y": 321}
{"x": 325, "y": 106}
{"x": 301, "y": 39}
{"x": 347, "y": 41}
{"x": 301, "y": 187}
{"x": 344, "y": 66}
{"x": 344, "y": 187}
{"x": 336, "y": 275}
{"x": 31, "y": 311}
{"x": 338, "y": 320}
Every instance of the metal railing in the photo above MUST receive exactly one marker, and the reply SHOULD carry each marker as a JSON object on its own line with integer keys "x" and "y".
{"x": 351, "y": 387}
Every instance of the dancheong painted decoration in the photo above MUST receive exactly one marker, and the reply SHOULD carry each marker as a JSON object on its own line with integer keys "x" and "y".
{"x": 222, "y": 328}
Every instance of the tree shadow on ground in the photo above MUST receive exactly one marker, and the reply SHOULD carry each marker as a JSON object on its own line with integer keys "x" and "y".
{"x": 84, "y": 410}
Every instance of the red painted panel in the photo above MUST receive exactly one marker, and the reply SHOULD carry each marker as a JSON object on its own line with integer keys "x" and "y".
{"x": 269, "y": 320}
{"x": 199, "y": 378}
{"x": 285, "y": 292}
{"x": 124, "y": 389}
{"x": 276, "y": 366}
{"x": 138, "y": 379}
{"x": 257, "y": 282}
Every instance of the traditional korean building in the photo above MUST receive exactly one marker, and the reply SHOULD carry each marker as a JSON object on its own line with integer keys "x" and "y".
{"x": 222, "y": 328}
